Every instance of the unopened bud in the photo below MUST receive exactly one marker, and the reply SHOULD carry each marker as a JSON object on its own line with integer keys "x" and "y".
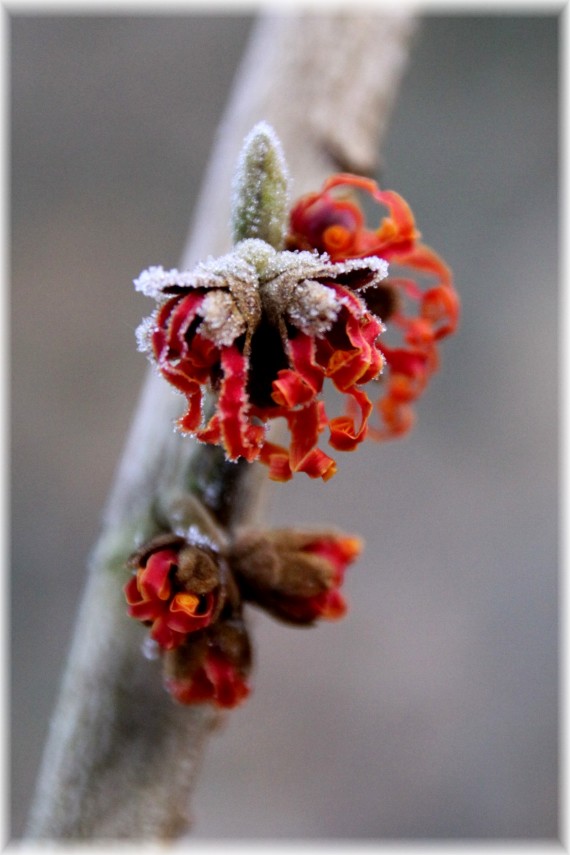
{"x": 260, "y": 202}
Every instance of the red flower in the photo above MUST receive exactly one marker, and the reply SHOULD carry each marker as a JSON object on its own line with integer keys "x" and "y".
{"x": 212, "y": 667}
{"x": 264, "y": 329}
{"x": 176, "y": 590}
{"x": 296, "y": 576}
{"x": 215, "y": 680}
{"x": 336, "y": 225}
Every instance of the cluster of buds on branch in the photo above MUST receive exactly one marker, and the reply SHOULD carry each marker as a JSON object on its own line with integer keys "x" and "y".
{"x": 309, "y": 294}
{"x": 191, "y": 594}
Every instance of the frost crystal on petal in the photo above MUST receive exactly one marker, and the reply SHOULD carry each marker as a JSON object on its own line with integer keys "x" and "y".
{"x": 223, "y": 322}
{"x": 379, "y": 265}
{"x": 314, "y": 308}
{"x": 149, "y": 282}
{"x": 259, "y": 254}
{"x": 294, "y": 284}
{"x": 143, "y": 334}
{"x": 155, "y": 281}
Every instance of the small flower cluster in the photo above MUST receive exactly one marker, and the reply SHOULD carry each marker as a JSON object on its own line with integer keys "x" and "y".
{"x": 421, "y": 318}
{"x": 191, "y": 595}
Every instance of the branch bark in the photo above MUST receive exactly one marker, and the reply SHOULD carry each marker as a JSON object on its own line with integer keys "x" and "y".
{"x": 122, "y": 757}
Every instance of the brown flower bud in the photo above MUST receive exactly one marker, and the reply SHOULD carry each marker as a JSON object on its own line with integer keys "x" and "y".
{"x": 295, "y": 575}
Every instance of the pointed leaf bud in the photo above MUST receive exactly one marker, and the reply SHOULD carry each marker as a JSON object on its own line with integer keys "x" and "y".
{"x": 260, "y": 204}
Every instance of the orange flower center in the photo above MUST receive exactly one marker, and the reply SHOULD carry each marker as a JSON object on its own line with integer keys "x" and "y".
{"x": 188, "y": 603}
{"x": 337, "y": 238}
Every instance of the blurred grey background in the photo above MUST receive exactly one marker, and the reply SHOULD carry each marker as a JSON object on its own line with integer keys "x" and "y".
{"x": 431, "y": 710}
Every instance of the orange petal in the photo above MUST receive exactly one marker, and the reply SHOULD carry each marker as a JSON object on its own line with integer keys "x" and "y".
{"x": 305, "y": 426}
{"x": 153, "y": 579}
{"x": 277, "y": 458}
{"x": 240, "y": 438}
{"x": 344, "y": 436}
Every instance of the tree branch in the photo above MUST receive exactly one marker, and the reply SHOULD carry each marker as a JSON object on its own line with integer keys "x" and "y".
{"x": 122, "y": 757}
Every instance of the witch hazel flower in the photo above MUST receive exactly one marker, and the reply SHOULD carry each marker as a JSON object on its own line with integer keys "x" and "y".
{"x": 418, "y": 302}
{"x": 176, "y": 588}
{"x": 212, "y": 667}
{"x": 263, "y": 328}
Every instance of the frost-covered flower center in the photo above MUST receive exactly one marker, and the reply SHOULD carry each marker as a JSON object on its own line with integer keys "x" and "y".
{"x": 255, "y": 281}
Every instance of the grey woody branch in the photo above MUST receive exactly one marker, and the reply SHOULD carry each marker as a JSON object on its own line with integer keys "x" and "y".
{"x": 122, "y": 757}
